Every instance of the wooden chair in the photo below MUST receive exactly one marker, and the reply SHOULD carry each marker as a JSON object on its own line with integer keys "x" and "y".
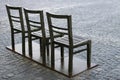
{"x": 68, "y": 40}
{"x": 16, "y": 24}
{"x": 16, "y": 21}
{"x": 35, "y": 18}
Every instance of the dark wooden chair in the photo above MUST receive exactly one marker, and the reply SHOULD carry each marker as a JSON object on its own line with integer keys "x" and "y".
{"x": 16, "y": 21}
{"x": 35, "y": 23}
{"x": 69, "y": 40}
{"x": 35, "y": 18}
{"x": 16, "y": 24}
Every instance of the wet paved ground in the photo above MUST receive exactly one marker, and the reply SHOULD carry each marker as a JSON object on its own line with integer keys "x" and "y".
{"x": 98, "y": 20}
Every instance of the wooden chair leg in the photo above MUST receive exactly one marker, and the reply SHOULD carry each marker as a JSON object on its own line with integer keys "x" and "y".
{"x": 13, "y": 40}
{"x": 40, "y": 41}
{"x": 89, "y": 54}
{"x": 47, "y": 45}
{"x": 23, "y": 44}
{"x": 43, "y": 52}
{"x": 62, "y": 54}
{"x": 70, "y": 64}
{"x": 52, "y": 56}
{"x": 30, "y": 45}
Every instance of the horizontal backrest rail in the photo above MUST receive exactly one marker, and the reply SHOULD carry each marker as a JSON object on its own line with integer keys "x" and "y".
{"x": 34, "y": 11}
{"x": 56, "y": 31}
{"x": 13, "y": 8}
{"x": 60, "y": 16}
{"x": 59, "y": 28}
{"x": 35, "y": 25}
{"x": 30, "y": 21}
{"x": 16, "y": 20}
{"x": 15, "y": 17}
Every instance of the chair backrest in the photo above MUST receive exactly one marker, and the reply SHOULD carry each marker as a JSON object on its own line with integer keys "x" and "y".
{"x": 60, "y": 24}
{"x": 35, "y": 19}
{"x": 15, "y": 17}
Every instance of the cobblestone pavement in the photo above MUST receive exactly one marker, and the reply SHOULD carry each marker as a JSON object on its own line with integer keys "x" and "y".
{"x": 98, "y": 20}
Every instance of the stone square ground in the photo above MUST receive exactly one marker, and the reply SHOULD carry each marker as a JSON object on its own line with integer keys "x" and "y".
{"x": 98, "y": 20}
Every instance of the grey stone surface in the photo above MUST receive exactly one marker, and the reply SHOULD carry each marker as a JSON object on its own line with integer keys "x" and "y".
{"x": 98, "y": 20}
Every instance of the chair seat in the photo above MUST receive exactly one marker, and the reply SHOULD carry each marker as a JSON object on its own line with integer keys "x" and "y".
{"x": 26, "y": 30}
{"x": 77, "y": 41}
{"x": 38, "y": 34}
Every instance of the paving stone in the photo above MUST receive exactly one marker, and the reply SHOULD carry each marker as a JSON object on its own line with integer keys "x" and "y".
{"x": 10, "y": 75}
